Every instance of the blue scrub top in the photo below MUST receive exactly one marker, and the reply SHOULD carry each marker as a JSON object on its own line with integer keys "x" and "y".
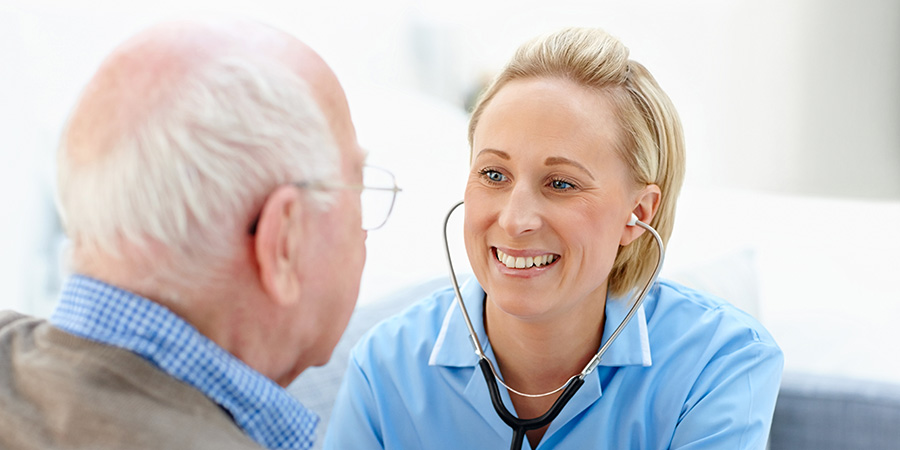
{"x": 689, "y": 371}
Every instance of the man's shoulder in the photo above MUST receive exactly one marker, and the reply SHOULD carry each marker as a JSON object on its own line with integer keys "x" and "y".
{"x": 17, "y": 334}
{"x": 62, "y": 391}
{"x": 11, "y": 319}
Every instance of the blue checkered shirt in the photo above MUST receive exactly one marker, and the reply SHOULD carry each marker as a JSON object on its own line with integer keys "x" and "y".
{"x": 265, "y": 411}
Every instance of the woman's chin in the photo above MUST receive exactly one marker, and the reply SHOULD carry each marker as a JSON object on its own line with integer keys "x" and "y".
{"x": 525, "y": 306}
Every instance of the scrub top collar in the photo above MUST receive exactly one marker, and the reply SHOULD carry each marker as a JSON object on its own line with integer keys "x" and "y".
{"x": 453, "y": 347}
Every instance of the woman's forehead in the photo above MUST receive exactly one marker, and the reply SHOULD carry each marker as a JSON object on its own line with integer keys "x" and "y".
{"x": 547, "y": 117}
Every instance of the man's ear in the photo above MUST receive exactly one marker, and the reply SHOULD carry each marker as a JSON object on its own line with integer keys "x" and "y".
{"x": 279, "y": 235}
{"x": 646, "y": 204}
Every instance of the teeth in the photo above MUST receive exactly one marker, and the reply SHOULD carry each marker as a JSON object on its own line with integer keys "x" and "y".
{"x": 524, "y": 262}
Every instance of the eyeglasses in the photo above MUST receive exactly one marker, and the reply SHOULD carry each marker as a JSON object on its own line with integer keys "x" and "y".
{"x": 378, "y": 192}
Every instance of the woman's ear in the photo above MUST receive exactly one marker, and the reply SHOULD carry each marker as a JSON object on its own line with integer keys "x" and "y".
{"x": 279, "y": 246}
{"x": 646, "y": 205}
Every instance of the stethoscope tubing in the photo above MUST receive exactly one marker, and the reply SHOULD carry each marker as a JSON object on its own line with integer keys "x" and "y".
{"x": 520, "y": 426}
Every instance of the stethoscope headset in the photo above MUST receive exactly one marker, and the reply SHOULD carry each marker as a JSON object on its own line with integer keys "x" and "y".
{"x": 518, "y": 425}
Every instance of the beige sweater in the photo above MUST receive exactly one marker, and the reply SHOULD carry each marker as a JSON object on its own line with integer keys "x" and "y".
{"x": 59, "y": 391}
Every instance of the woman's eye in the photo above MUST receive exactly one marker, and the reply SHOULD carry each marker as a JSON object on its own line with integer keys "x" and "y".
{"x": 561, "y": 185}
{"x": 494, "y": 176}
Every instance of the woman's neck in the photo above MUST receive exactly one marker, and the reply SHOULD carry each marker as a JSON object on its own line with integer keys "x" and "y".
{"x": 537, "y": 356}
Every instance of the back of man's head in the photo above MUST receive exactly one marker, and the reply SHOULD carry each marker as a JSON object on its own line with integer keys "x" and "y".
{"x": 175, "y": 143}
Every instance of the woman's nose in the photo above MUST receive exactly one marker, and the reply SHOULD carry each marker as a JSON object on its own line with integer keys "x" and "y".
{"x": 520, "y": 214}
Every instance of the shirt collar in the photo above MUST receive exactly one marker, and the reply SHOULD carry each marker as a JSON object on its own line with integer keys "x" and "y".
{"x": 632, "y": 347}
{"x": 454, "y": 348}
{"x": 266, "y": 412}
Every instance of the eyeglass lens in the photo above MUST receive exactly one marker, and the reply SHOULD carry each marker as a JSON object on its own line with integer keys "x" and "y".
{"x": 377, "y": 199}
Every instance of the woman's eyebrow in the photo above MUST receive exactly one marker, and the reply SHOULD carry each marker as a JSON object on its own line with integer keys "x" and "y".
{"x": 557, "y": 160}
{"x": 499, "y": 153}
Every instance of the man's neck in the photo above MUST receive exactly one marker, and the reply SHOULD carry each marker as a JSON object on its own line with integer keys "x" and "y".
{"x": 220, "y": 311}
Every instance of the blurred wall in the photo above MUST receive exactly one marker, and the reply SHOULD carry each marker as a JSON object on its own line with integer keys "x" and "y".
{"x": 797, "y": 97}
{"x": 809, "y": 99}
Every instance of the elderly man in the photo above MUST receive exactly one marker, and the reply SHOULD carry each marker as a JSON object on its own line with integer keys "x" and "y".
{"x": 209, "y": 180}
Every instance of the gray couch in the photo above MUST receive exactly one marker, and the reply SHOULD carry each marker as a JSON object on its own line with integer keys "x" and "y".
{"x": 829, "y": 413}
{"x": 813, "y": 412}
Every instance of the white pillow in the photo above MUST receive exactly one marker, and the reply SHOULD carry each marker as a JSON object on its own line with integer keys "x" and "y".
{"x": 732, "y": 276}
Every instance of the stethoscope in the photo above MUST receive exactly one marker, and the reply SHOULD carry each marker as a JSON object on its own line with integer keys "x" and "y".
{"x": 520, "y": 426}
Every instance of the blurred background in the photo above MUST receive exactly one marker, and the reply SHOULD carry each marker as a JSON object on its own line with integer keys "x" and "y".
{"x": 790, "y": 108}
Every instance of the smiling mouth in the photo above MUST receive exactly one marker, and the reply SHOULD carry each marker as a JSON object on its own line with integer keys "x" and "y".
{"x": 520, "y": 262}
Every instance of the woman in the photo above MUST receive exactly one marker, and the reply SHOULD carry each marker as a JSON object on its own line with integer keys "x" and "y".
{"x": 569, "y": 141}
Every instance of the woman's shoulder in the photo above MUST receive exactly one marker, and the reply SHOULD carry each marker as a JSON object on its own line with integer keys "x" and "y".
{"x": 679, "y": 310}
{"x": 409, "y": 325}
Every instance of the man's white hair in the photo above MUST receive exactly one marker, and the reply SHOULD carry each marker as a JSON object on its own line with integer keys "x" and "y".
{"x": 206, "y": 152}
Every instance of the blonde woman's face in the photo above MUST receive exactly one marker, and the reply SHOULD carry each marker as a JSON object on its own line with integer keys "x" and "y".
{"x": 547, "y": 199}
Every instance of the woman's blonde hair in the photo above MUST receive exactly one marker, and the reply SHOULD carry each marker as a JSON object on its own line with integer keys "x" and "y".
{"x": 652, "y": 142}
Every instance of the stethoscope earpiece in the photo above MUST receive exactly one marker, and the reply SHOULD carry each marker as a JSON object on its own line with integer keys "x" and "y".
{"x": 633, "y": 220}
